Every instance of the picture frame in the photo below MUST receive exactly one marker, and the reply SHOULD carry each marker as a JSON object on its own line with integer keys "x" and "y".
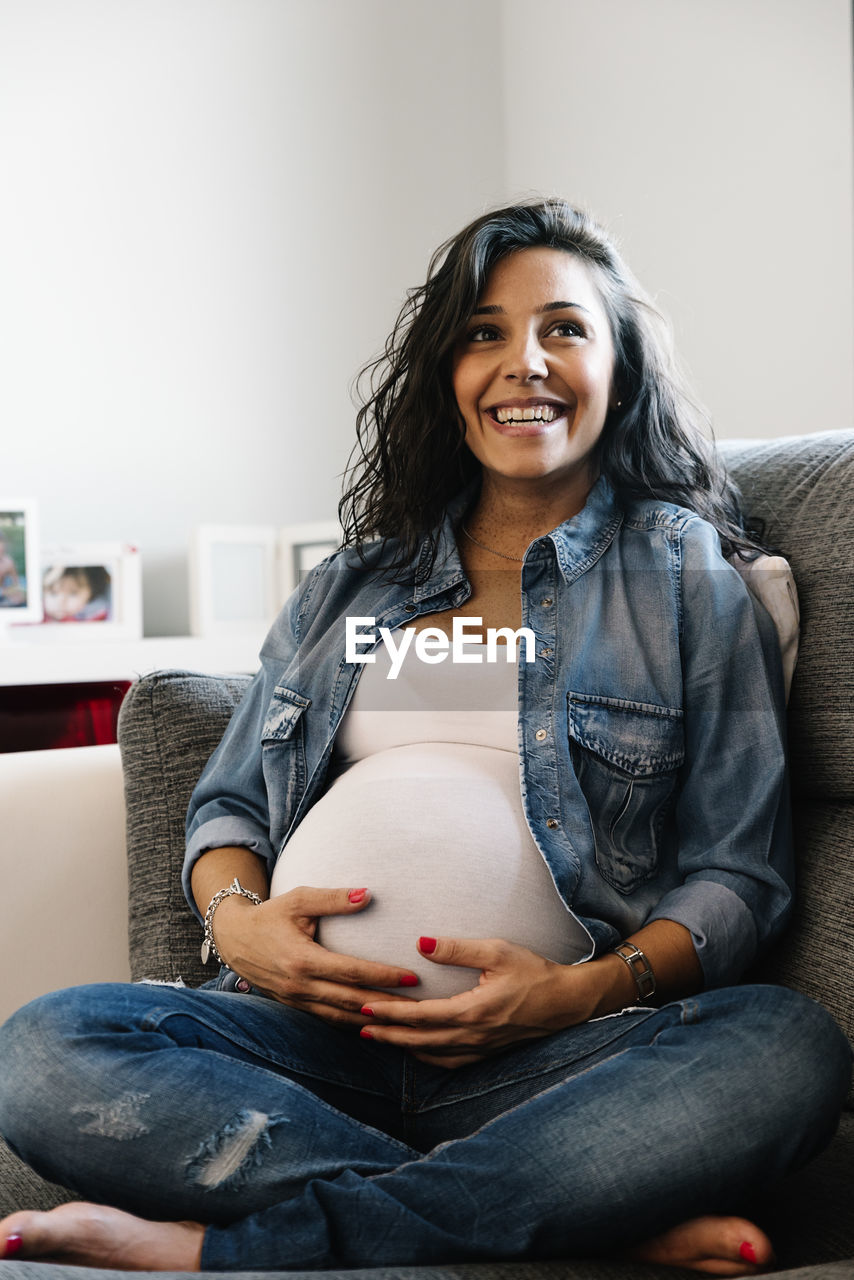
{"x": 301, "y": 547}
{"x": 233, "y": 579}
{"x": 20, "y": 580}
{"x": 88, "y": 590}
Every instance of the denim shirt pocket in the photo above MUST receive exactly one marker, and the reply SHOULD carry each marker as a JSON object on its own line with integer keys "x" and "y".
{"x": 626, "y": 756}
{"x": 283, "y": 758}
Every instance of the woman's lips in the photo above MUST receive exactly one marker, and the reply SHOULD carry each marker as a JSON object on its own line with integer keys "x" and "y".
{"x": 527, "y": 426}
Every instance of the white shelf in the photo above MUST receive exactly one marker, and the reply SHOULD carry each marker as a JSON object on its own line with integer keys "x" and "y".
{"x": 80, "y": 662}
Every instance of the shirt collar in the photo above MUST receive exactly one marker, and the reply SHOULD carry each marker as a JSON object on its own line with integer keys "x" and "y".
{"x": 578, "y": 542}
{"x": 581, "y": 540}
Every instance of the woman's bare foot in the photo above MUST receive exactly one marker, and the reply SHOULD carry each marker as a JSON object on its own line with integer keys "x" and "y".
{"x": 96, "y": 1236}
{"x": 715, "y": 1245}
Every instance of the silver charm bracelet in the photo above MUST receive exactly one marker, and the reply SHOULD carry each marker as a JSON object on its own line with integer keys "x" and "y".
{"x": 208, "y": 945}
{"x": 640, "y": 967}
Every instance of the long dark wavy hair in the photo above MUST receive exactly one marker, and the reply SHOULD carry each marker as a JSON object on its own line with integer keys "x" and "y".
{"x": 410, "y": 458}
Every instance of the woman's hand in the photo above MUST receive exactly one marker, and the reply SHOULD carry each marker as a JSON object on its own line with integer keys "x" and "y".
{"x": 273, "y": 947}
{"x": 518, "y": 996}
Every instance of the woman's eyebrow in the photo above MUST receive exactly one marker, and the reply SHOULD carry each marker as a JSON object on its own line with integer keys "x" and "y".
{"x": 495, "y": 310}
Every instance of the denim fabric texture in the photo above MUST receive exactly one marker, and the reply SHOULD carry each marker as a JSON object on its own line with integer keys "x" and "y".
{"x": 309, "y": 1148}
{"x": 651, "y": 724}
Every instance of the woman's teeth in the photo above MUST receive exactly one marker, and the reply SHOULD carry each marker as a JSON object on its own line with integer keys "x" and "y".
{"x": 535, "y": 413}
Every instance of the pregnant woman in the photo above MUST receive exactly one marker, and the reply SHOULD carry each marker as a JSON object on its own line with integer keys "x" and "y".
{"x": 484, "y": 851}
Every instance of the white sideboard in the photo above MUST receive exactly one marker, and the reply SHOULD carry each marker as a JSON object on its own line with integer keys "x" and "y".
{"x": 96, "y": 661}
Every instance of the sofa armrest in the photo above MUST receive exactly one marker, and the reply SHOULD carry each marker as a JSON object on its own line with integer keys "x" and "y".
{"x": 170, "y": 723}
{"x": 63, "y": 910}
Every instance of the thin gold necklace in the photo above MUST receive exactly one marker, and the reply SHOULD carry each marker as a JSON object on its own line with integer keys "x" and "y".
{"x": 491, "y": 550}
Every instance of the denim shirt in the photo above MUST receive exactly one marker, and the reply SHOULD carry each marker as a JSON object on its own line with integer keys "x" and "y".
{"x": 651, "y": 724}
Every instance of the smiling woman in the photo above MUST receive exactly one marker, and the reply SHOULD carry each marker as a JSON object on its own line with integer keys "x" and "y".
{"x": 530, "y": 848}
{"x": 413, "y": 454}
{"x": 534, "y": 386}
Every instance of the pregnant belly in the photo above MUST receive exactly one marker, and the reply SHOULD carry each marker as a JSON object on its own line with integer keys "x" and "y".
{"x": 437, "y": 833}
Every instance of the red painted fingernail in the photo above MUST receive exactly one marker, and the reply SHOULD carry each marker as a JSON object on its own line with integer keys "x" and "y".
{"x": 427, "y": 945}
{"x": 14, "y": 1244}
{"x": 408, "y": 980}
{"x": 748, "y": 1252}
{"x": 367, "y": 1011}
{"x": 366, "y": 1033}
{"x": 356, "y": 895}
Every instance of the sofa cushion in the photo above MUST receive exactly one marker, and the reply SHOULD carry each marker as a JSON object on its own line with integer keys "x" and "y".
{"x": 22, "y": 1188}
{"x": 814, "y": 954}
{"x": 802, "y": 487}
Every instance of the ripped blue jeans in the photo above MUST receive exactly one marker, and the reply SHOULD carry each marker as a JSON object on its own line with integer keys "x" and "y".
{"x": 306, "y": 1147}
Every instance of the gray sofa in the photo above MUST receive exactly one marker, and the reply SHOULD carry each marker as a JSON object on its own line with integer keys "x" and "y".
{"x": 803, "y": 488}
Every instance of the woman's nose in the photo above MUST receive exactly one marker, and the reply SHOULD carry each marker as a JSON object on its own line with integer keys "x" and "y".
{"x": 525, "y": 359}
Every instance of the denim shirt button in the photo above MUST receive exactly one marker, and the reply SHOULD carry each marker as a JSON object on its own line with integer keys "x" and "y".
{"x": 546, "y": 602}
{"x": 540, "y": 735}
{"x": 551, "y": 823}
{"x": 410, "y": 608}
{"x": 545, "y": 653}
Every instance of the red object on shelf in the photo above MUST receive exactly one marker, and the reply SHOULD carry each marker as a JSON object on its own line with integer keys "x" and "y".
{"x": 36, "y": 717}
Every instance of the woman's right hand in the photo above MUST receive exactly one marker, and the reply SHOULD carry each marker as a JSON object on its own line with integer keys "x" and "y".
{"x": 273, "y": 947}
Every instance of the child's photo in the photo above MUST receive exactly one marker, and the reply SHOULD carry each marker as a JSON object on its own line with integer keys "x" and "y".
{"x": 99, "y": 583}
{"x": 13, "y": 559}
{"x": 73, "y": 593}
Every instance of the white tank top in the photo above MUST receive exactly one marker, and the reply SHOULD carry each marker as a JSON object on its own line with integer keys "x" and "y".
{"x": 426, "y": 811}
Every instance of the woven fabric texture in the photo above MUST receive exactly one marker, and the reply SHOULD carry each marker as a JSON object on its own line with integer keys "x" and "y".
{"x": 574, "y": 1270}
{"x": 170, "y": 723}
{"x": 803, "y": 489}
{"x": 21, "y": 1188}
{"x": 814, "y": 955}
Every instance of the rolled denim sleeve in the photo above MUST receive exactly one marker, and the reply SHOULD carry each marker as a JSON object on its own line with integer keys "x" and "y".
{"x": 733, "y": 818}
{"x": 229, "y": 804}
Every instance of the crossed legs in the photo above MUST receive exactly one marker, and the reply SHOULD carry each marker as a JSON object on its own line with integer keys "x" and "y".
{"x": 169, "y": 1104}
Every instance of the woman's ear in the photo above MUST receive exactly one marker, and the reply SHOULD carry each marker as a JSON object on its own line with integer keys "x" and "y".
{"x": 615, "y": 394}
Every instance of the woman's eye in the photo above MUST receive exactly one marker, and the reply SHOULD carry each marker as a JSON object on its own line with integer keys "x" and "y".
{"x": 568, "y": 329}
{"x": 483, "y": 333}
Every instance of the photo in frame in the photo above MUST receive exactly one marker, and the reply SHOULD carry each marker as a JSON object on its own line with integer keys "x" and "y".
{"x": 20, "y": 581}
{"x": 88, "y": 590}
{"x": 301, "y": 547}
{"x": 233, "y": 579}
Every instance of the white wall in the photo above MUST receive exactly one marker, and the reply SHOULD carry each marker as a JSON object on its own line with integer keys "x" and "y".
{"x": 714, "y": 137}
{"x": 212, "y": 209}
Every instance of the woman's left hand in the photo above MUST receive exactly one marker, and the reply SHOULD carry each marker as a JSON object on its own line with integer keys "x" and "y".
{"x": 518, "y": 996}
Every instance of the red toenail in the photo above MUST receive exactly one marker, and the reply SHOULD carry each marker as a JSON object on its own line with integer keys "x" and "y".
{"x": 14, "y": 1244}
{"x": 748, "y": 1252}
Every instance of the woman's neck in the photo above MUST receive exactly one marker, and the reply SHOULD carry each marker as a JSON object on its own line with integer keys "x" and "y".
{"x": 510, "y": 515}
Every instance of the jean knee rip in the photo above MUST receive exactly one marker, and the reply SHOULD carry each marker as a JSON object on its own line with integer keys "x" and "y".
{"x": 229, "y": 1156}
{"x": 117, "y": 1118}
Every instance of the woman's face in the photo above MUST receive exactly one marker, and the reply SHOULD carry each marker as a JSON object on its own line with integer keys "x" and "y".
{"x": 533, "y": 372}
